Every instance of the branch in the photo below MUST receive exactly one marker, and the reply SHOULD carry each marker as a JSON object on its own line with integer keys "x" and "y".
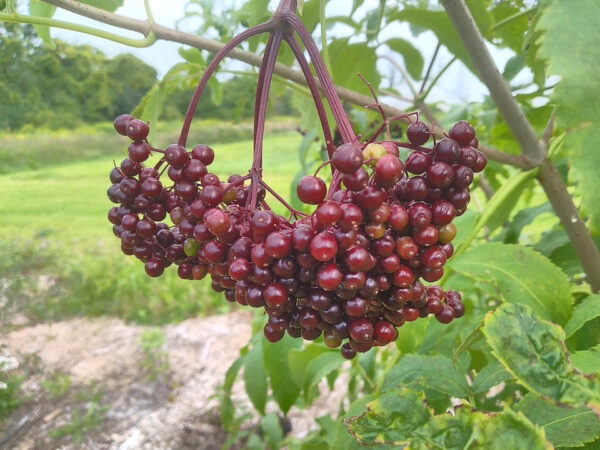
{"x": 169, "y": 34}
{"x": 429, "y": 67}
{"x": 514, "y": 117}
{"x": 533, "y": 150}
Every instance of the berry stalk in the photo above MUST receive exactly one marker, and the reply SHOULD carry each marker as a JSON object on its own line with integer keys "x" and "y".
{"x": 314, "y": 90}
{"x": 328, "y": 87}
{"x": 253, "y": 31}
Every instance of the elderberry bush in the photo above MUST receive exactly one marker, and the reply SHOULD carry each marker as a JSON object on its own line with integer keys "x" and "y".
{"x": 352, "y": 270}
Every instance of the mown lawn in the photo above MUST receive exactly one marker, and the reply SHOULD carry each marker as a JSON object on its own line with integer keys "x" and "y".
{"x": 67, "y": 202}
{"x": 54, "y": 227}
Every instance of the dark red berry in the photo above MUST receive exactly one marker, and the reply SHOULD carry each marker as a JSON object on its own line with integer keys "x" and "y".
{"x": 462, "y": 132}
{"x": 311, "y": 190}
{"x": 203, "y": 153}
{"x": 120, "y": 123}
{"x": 347, "y": 158}
{"x": 417, "y": 133}
{"x": 447, "y": 150}
{"x": 361, "y": 330}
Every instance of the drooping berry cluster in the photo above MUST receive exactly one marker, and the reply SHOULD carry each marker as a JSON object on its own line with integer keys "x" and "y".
{"x": 350, "y": 270}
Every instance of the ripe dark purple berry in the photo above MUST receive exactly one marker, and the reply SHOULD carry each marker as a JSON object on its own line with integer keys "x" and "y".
{"x": 311, "y": 190}
{"x": 137, "y": 130}
{"x": 418, "y": 133}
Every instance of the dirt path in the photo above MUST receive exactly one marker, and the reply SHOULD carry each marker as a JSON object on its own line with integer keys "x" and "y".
{"x": 177, "y": 410}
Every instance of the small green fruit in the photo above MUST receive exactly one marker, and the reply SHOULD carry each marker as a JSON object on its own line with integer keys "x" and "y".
{"x": 373, "y": 152}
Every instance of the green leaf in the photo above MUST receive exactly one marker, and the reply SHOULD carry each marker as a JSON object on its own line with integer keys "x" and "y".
{"x": 227, "y": 409}
{"x": 507, "y": 430}
{"x": 571, "y": 47}
{"x": 523, "y": 218}
{"x": 513, "y": 66}
{"x": 348, "y": 60}
{"x": 42, "y": 9}
{"x": 401, "y": 418}
{"x": 585, "y": 311}
{"x": 255, "y": 377}
{"x": 285, "y": 390}
{"x": 107, "y": 5}
{"x": 254, "y": 442}
{"x": 474, "y": 336}
{"x": 564, "y": 426}
{"x": 272, "y": 431}
{"x": 319, "y": 367}
{"x": 411, "y": 335}
{"x": 512, "y": 33}
{"x": 392, "y": 418}
{"x": 502, "y": 213}
{"x": 533, "y": 351}
{"x": 299, "y": 359}
{"x": 522, "y": 275}
{"x": 439, "y": 23}
{"x": 489, "y": 376}
{"x": 216, "y": 91}
{"x": 149, "y": 109}
{"x": 192, "y": 55}
{"x": 257, "y": 10}
{"x": 447, "y": 431}
{"x": 431, "y": 372}
{"x": 413, "y": 60}
{"x": 345, "y": 440}
{"x": 587, "y": 361}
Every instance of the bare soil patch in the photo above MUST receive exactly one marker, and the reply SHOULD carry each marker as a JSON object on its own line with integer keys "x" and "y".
{"x": 102, "y": 357}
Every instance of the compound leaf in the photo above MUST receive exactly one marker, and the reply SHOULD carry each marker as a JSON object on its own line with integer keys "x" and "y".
{"x": 489, "y": 376}
{"x": 392, "y": 418}
{"x": 507, "y": 430}
{"x": 255, "y": 377}
{"x": 533, "y": 351}
{"x": 565, "y": 426}
{"x": 587, "y": 361}
{"x": 571, "y": 47}
{"x": 430, "y": 372}
{"x": 585, "y": 311}
{"x": 285, "y": 390}
{"x": 413, "y": 60}
{"x": 522, "y": 276}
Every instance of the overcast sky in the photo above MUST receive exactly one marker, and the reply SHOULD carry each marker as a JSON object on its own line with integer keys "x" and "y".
{"x": 458, "y": 84}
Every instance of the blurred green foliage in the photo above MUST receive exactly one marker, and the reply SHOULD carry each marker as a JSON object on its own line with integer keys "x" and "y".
{"x": 66, "y": 85}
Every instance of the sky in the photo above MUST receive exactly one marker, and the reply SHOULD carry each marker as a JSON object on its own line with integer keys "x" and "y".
{"x": 458, "y": 85}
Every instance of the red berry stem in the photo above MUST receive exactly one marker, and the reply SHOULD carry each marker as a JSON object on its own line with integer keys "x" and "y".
{"x": 281, "y": 200}
{"x": 253, "y": 31}
{"x": 335, "y": 104}
{"x": 323, "y": 164}
{"x": 237, "y": 182}
{"x": 262, "y": 94}
{"x": 261, "y": 79}
{"x": 407, "y": 145}
{"x": 314, "y": 90}
{"x": 260, "y": 108}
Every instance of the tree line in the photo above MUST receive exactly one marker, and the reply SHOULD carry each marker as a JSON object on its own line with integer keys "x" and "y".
{"x": 69, "y": 85}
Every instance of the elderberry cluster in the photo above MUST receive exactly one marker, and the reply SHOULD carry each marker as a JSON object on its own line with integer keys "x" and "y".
{"x": 351, "y": 270}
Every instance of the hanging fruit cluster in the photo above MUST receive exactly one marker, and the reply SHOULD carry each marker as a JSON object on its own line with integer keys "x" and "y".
{"x": 352, "y": 269}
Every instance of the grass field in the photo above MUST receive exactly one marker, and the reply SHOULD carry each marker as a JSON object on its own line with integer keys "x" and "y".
{"x": 54, "y": 227}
